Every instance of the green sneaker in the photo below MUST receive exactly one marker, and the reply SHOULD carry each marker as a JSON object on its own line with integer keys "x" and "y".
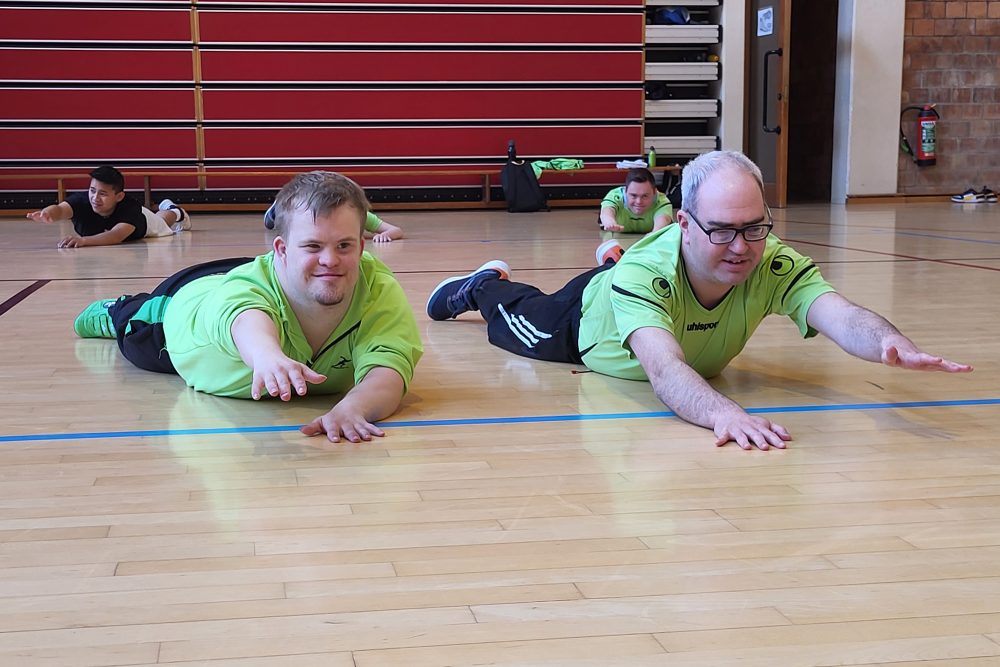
{"x": 95, "y": 321}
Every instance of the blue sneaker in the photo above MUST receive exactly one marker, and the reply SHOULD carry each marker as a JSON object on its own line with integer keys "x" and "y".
{"x": 453, "y": 296}
{"x": 269, "y": 217}
{"x": 95, "y": 321}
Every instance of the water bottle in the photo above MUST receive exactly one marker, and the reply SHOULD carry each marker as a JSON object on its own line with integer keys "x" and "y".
{"x": 651, "y": 158}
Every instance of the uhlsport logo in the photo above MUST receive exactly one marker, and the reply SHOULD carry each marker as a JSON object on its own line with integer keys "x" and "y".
{"x": 661, "y": 288}
{"x": 702, "y": 326}
{"x": 782, "y": 265}
{"x": 342, "y": 363}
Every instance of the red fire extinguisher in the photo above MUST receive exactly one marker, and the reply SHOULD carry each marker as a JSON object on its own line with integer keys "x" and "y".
{"x": 926, "y": 153}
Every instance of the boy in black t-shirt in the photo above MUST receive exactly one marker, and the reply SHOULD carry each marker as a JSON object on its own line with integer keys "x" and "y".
{"x": 105, "y": 215}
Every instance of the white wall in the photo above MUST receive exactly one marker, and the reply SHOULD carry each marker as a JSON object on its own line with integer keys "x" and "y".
{"x": 732, "y": 56}
{"x": 868, "y": 98}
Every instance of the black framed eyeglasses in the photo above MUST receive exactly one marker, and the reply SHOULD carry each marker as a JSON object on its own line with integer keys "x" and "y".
{"x": 725, "y": 235}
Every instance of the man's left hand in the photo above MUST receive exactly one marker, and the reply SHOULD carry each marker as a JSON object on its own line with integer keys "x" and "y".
{"x": 343, "y": 421}
{"x": 908, "y": 355}
{"x": 73, "y": 241}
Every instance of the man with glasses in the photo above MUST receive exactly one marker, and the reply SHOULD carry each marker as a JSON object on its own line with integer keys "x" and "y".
{"x": 682, "y": 303}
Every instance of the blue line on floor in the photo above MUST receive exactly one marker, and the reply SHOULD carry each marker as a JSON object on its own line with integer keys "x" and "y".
{"x": 495, "y": 420}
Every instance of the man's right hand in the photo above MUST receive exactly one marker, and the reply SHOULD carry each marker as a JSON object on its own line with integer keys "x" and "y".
{"x": 279, "y": 375}
{"x": 40, "y": 216}
{"x": 749, "y": 431}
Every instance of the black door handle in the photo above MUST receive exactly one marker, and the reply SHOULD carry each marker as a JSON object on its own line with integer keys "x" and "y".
{"x": 773, "y": 52}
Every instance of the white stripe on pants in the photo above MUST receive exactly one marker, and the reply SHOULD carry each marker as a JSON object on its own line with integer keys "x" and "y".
{"x": 522, "y": 328}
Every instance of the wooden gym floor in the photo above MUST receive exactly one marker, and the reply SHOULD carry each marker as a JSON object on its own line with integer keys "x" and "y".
{"x": 516, "y": 513}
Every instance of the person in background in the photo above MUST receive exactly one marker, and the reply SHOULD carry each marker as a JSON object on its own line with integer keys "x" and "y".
{"x": 636, "y": 207}
{"x": 106, "y": 215}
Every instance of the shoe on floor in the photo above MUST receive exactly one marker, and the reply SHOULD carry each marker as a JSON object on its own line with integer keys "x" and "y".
{"x": 609, "y": 251}
{"x": 988, "y": 195}
{"x": 970, "y": 196}
{"x": 453, "y": 296}
{"x": 183, "y": 223}
{"x": 95, "y": 321}
{"x": 269, "y": 217}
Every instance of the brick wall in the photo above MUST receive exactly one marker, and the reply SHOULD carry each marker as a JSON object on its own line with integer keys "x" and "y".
{"x": 951, "y": 57}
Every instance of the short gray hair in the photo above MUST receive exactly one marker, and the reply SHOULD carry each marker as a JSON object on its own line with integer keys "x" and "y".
{"x": 697, "y": 171}
{"x": 318, "y": 192}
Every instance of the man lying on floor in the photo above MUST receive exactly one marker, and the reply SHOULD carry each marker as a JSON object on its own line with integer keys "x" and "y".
{"x": 316, "y": 310}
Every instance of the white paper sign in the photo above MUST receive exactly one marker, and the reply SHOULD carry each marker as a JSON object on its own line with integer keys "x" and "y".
{"x": 765, "y": 21}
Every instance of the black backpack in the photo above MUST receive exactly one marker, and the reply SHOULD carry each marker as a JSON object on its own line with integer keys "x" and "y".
{"x": 672, "y": 188}
{"x": 521, "y": 190}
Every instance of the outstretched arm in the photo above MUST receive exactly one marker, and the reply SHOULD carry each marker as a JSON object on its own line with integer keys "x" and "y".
{"x": 867, "y": 335}
{"x": 53, "y": 213}
{"x": 376, "y": 397}
{"x": 256, "y": 338}
{"x": 685, "y": 392}
{"x": 608, "y": 221}
{"x": 386, "y": 232}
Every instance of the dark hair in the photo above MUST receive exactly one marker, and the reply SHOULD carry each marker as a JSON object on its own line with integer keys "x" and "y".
{"x": 318, "y": 192}
{"x": 639, "y": 175}
{"x": 110, "y": 176}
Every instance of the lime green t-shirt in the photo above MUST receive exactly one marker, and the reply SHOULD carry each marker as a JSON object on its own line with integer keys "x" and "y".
{"x": 378, "y": 329}
{"x": 372, "y": 222}
{"x": 636, "y": 224}
{"x": 648, "y": 287}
